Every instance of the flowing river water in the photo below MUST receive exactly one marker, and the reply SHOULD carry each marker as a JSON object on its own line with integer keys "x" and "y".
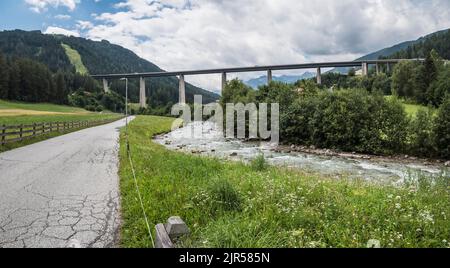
{"x": 375, "y": 169}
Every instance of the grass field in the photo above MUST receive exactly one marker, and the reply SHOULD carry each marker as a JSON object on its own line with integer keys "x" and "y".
{"x": 14, "y": 113}
{"x": 17, "y": 113}
{"x": 410, "y": 109}
{"x": 228, "y": 204}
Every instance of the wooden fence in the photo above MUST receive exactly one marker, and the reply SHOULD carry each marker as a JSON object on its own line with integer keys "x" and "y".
{"x": 16, "y": 133}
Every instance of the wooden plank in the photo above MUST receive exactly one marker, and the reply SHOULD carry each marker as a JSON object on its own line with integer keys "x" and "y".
{"x": 162, "y": 238}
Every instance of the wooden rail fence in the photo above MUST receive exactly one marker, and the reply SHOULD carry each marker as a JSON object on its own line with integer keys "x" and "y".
{"x": 16, "y": 133}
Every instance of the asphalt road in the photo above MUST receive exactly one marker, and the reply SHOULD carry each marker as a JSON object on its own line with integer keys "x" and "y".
{"x": 62, "y": 192}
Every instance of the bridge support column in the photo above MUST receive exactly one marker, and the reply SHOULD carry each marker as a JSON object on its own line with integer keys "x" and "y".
{"x": 378, "y": 68}
{"x": 224, "y": 82}
{"x": 182, "y": 90}
{"x": 388, "y": 67}
{"x": 269, "y": 76}
{"x": 105, "y": 86}
{"x": 365, "y": 69}
{"x": 142, "y": 95}
{"x": 319, "y": 76}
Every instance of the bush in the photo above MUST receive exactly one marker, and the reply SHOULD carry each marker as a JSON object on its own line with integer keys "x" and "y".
{"x": 351, "y": 120}
{"x": 421, "y": 134}
{"x": 442, "y": 129}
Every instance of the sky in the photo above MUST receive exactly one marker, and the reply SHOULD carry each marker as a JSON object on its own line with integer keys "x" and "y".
{"x": 202, "y": 34}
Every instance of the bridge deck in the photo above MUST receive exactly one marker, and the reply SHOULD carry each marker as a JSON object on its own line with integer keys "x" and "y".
{"x": 250, "y": 69}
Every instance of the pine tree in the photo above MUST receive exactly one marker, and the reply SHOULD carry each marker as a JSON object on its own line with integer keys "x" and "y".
{"x": 14, "y": 81}
{"x": 61, "y": 88}
{"x": 4, "y": 78}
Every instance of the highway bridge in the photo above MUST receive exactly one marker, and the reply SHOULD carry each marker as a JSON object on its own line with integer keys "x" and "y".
{"x": 364, "y": 65}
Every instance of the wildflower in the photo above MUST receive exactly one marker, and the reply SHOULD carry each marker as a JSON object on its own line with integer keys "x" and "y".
{"x": 426, "y": 216}
{"x": 398, "y": 206}
{"x": 373, "y": 243}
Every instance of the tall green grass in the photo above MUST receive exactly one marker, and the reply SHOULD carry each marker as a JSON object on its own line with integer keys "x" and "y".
{"x": 229, "y": 204}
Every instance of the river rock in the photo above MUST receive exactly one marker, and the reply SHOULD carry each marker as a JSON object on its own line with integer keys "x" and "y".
{"x": 234, "y": 154}
{"x": 447, "y": 164}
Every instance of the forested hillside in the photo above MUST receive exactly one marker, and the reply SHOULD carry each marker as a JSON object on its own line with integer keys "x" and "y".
{"x": 98, "y": 58}
{"x": 440, "y": 42}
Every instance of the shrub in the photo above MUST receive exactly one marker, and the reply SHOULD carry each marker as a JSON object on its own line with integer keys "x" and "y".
{"x": 442, "y": 129}
{"x": 421, "y": 133}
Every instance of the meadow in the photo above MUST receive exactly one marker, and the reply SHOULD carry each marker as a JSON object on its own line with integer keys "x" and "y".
{"x": 18, "y": 113}
{"x": 229, "y": 204}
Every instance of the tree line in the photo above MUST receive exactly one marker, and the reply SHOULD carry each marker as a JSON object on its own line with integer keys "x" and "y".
{"x": 356, "y": 116}
{"x": 23, "y": 79}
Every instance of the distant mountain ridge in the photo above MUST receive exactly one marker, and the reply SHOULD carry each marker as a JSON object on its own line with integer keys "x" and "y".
{"x": 398, "y": 48}
{"x": 290, "y": 79}
{"x": 99, "y": 58}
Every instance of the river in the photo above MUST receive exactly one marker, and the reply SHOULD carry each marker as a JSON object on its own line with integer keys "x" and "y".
{"x": 376, "y": 169}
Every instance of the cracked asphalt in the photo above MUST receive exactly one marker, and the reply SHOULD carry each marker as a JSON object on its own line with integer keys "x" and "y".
{"x": 62, "y": 192}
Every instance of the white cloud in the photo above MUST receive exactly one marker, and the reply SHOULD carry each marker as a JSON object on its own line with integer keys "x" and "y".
{"x": 39, "y": 6}
{"x": 58, "y": 30}
{"x": 198, "y": 34}
{"x": 63, "y": 17}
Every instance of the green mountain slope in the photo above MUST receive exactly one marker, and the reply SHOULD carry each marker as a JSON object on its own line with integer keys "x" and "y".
{"x": 97, "y": 58}
{"x": 440, "y": 41}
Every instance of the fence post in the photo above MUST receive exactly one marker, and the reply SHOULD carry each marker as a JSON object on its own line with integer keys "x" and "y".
{"x": 34, "y": 129}
{"x": 3, "y": 134}
{"x": 21, "y": 132}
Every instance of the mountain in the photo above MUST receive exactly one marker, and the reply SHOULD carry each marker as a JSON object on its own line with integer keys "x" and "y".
{"x": 440, "y": 41}
{"x": 290, "y": 79}
{"x": 63, "y": 53}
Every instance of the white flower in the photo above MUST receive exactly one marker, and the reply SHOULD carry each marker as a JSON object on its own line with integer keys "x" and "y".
{"x": 398, "y": 206}
{"x": 373, "y": 243}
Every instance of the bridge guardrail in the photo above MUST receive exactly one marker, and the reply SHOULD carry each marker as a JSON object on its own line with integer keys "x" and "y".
{"x": 17, "y": 133}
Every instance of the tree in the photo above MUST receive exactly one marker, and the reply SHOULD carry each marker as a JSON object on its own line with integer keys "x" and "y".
{"x": 14, "y": 81}
{"x": 4, "y": 78}
{"x": 61, "y": 89}
{"x": 440, "y": 87}
{"x": 442, "y": 129}
{"x": 408, "y": 81}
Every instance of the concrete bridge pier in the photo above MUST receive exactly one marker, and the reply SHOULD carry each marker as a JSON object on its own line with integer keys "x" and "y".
{"x": 269, "y": 76}
{"x": 142, "y": 94}
{"x": 388, "y": 67}
{"x": 224, "y": 82}
{"x": 365, "y": 68}
{"x": 105, "y": 86}
{"x": 319, "y": 76}
{"x": 377, "y": 66}
{"x": 182, "y": 90}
